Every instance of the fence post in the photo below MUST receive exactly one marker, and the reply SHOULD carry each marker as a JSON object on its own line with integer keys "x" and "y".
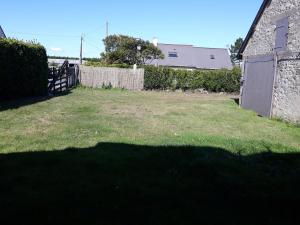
{"x": 60, "y": 76}
{"x": 67, "y": 78}
{"x": 53, "y": 79}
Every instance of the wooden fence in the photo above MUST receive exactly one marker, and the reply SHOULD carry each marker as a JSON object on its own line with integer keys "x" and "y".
{"x": 97, "y": 77}
{"x": 63, "y": 78}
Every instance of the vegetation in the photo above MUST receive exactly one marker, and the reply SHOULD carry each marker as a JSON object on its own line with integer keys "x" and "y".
{"x": 119, "y": 157}
{"x": 161, "y": 78}
{"x": 53, "y": 64}
{"x": 75, "y": 58}
{"x": 103, "y": 64}
{"x": 234, "y": 50}
{"x": 164, "y": 78}
{"x": 120, "y": 49}
{"x": 62, "y": 57}
{"x": 23, "y": 69}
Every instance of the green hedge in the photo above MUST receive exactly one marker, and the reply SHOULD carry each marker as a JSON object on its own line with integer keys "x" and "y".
{"x": 23, "y": 69}
{"x": 101, "y": 64}
{"x": 161, "y": 78}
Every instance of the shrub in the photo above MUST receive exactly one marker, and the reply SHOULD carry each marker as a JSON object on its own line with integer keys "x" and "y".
{"x": 161, "y": 78}
{"x": 23, "y": 69}
{"x": 107, "y": 87}
{"x": 95, "y": 63}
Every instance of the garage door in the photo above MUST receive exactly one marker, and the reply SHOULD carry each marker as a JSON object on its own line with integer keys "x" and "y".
{"x": 258, "y": 84}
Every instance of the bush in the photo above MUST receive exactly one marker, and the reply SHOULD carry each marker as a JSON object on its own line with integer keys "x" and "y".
{"x": 101, "y": 64}
{"x": 23, "y": 69}
{"x": 161, "y": 78}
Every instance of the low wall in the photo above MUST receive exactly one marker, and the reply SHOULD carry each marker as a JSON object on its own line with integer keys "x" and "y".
{"x": 95, "y": 77}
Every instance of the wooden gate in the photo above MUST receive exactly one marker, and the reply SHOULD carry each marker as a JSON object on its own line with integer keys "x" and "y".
{"x": 63, "y": 78}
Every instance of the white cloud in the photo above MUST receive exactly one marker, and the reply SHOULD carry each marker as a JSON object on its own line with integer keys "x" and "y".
{"x": 56, "y": 49}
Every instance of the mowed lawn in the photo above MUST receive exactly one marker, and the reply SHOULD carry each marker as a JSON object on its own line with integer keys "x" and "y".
{"x": 118, "y": 157}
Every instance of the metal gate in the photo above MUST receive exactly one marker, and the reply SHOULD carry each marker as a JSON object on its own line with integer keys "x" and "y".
{"x": 257, "y": 91}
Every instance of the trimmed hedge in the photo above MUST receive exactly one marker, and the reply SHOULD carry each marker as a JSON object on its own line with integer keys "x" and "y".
{"x": 162, "y": 78}
{"x": 23, "y": 69}
{"x": 101, "y": 64}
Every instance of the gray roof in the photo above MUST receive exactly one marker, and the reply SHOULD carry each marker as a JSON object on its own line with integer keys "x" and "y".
{"x": 2, "y": 34}
{"x": 189, "y": 56}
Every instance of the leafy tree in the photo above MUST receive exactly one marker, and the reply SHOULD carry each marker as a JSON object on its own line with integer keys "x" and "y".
{"x": 120, "y": 49}
{"x": 234, "y": 49}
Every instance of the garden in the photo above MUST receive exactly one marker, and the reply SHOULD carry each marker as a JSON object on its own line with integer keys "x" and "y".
{"x": 119, "y": 157}
{"x": 112, "y": 156}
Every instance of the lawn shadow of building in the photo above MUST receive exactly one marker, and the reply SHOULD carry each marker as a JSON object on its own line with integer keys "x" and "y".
{"x": 115, "y": 183}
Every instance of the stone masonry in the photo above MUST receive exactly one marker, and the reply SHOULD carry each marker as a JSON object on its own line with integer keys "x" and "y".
{"x": 286, "y": 96}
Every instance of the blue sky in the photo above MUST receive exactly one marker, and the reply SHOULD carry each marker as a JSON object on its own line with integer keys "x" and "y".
{"x": 58, "y": 24}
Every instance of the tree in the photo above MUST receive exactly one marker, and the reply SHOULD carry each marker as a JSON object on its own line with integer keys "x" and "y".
{"x": 120, "y": 49}
{"x": 234, "y": 49}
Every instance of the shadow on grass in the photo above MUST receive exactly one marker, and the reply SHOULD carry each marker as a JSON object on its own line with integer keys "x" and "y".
{"x": 128, "y": 184}
{"x": 20, "y": 102}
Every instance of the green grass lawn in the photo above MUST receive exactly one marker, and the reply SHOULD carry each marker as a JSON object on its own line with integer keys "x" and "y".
{"x": 117, "y": 157}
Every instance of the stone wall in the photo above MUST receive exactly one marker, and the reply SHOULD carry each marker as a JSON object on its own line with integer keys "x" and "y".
{"x": 286, "y": 99}
{"x": 263, "y": 39}
{"x": 286, "y": 103}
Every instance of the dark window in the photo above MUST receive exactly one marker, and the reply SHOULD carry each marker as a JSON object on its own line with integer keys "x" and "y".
{"x": 212, "y": 57}
{"x": 282, "y": 31}
{"x": 173, "y": 54}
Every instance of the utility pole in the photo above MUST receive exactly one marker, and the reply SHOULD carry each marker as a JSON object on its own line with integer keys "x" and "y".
{"x": 81, "y": 40}
{"x": 106, "y": 29}
{"x": 106, "y": 36}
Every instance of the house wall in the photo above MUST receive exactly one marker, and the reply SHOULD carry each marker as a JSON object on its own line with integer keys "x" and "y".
{"x": 286, "y": 99}
{"x": 286, "y": 104}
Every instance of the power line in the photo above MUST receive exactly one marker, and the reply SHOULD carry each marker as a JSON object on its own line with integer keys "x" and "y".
{"x": 94, "y": 47}
{"x": 96, "y": 29}
{"x": 92, "y": 39}
{"x": 92, "y": 44}
{"x": 52, "y": 35}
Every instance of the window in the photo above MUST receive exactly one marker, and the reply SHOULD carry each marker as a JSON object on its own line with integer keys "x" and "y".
{"x": 212, "y": 57}
{"x": 282, "y": 31}
{"x": 173, "y": 54}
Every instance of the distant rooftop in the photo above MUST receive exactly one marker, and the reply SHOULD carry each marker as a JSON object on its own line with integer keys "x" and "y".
{"x": 189, "y": 56}
{"x": 2, "y": 34}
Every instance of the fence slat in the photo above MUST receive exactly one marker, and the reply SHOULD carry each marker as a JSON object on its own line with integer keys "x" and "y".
{"x": 119, "y": 78}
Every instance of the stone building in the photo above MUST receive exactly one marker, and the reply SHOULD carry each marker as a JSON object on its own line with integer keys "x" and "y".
{"x": 271, "y": 61}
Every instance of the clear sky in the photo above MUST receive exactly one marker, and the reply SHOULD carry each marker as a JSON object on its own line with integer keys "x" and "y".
{"x": 58, "y": 24}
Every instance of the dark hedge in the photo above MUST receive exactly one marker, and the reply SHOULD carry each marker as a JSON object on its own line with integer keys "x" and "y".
{"x": 161, "y": 78}
{"x": 23, "y": 69}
